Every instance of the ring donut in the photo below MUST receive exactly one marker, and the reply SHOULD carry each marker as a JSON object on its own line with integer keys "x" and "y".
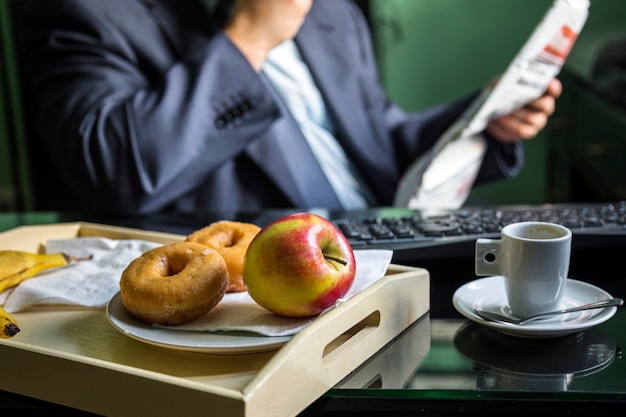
{"x": 174, "y": 283}
{"x": 231, "y": 239}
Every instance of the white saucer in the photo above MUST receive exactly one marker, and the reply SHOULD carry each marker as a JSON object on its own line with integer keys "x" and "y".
{"x": 489, "y": 294}
{"x": 204, "y": 342}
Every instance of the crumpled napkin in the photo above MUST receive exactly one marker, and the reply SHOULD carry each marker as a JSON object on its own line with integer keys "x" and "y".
{"x": 92, "y": 283}
{"x": 88, "y": 283}
{"x": 238, "y": 311}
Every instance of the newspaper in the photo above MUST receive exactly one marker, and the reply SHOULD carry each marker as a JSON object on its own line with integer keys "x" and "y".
{"x": 443, "y": 178}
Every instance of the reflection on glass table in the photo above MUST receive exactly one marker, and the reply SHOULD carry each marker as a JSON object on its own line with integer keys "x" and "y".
{"x": 394, "y": 365}
{"x": 503, "y": 362}
{"x": 459, "y": 358}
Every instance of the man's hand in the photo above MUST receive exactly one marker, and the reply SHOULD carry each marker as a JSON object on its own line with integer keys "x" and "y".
{"x": 527, "y": 122}
{"x": 257, "y": 26}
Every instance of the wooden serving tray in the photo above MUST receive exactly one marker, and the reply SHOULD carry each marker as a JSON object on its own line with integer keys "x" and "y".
{"x": 74, "y": 356}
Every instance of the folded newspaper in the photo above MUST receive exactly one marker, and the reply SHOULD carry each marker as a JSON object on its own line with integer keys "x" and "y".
{"x": 443, "y": 178}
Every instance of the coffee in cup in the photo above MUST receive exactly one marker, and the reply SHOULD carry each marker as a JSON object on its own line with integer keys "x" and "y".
{"x": 533, "y": 258}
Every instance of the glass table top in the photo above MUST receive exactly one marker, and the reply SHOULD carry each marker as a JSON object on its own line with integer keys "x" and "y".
{"x": 446, "y": 360}
{"x": 458, "y": 355}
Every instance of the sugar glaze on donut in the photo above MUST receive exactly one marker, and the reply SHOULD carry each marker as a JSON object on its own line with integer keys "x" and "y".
{"x": 231, "y": 239}
{"x": 174, "y": 283}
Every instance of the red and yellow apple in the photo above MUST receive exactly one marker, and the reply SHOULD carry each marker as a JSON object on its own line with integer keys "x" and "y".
{"x": 299, "y": 265}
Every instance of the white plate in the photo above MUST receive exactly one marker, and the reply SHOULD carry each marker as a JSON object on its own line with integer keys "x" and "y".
{"x": 489, "y": 294}
{"x": 205, "y": 342}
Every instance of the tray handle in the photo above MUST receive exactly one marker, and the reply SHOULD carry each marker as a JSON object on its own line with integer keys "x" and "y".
{"x": 348, "y": 339}
{"x": 337, "y": 343}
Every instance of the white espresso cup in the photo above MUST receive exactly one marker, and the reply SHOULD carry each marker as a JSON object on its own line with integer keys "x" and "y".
{"x": 533, "y": 258}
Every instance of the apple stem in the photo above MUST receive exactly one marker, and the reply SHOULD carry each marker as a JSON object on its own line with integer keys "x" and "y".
{"x": 339, "y": 260}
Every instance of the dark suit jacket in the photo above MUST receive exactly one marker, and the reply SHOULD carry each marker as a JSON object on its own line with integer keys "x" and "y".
{"x": 147, "y": 106}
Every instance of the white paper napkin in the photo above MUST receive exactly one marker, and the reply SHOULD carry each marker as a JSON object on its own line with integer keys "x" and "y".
{"x": 89, "y": 283}
{"x": 238, "y": 311}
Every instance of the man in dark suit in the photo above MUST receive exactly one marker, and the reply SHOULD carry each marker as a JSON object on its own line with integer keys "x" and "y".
{"x": 184, "y": 105}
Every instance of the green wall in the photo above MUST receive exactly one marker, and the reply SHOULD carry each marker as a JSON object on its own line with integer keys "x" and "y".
{"x": 434, "y": 51}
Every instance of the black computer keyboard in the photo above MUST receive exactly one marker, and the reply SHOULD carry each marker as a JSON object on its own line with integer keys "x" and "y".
{"x": 415, "y": 235}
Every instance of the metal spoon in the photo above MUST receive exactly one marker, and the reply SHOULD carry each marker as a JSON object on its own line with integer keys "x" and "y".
{"x": 498, "y": 318}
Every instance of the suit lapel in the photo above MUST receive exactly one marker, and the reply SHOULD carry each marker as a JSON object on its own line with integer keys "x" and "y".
{"x": 287, "y": 159}
{"x": 332, "y": 68}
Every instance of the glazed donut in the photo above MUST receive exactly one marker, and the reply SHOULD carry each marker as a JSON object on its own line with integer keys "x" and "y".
{"x": 231, "y": 240}
{"x": 174, "y": 283}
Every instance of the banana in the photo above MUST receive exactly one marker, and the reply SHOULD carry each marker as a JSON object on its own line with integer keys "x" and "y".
{"x": 8, "y": 325}
{"x": 17, "y": 266}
